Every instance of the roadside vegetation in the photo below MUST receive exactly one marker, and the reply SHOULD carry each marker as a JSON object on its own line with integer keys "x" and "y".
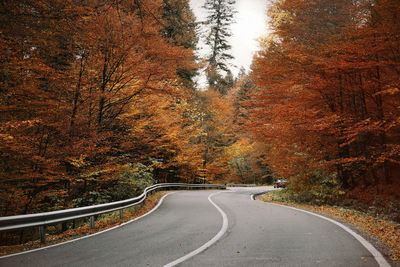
{"x": 323, "y": 109}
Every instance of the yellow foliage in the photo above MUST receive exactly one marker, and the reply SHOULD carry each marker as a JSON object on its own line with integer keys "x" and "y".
{"x": 78, "y": 162}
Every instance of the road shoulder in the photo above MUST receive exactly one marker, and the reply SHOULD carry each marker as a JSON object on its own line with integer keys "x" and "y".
{"x": 383, "y": 235}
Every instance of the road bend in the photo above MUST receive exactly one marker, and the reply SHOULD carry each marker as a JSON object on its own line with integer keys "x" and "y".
{"x": 262, "y": 234}
{"x": 207, "y": 228}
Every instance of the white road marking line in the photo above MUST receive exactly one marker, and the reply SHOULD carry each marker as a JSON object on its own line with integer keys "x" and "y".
{"x": 252, "y": 197}
{"x": 101, "y": 232}
{"x": 377, "y": 255}
{"x": 211, "y": 241}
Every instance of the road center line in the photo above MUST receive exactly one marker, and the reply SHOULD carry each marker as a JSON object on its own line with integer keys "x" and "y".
{"x": 211, "y": 241}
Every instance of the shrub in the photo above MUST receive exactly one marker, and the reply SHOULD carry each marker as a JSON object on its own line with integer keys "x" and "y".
{"x": 134, "y": 178}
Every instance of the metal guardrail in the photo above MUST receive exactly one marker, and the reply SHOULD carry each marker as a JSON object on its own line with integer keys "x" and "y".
{"x": 46, "y": 218}
{"x": 240, "y": 185}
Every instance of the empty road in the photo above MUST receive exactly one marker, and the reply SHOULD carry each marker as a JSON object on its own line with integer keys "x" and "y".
{"x": 211, "y": 228}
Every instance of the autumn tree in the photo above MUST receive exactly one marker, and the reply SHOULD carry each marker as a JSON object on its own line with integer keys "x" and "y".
{"x": 323, "y": 97}
{"x": 179, "y": 26}
{"x": 35, "y": 85}
{"x": 71, "y": 72}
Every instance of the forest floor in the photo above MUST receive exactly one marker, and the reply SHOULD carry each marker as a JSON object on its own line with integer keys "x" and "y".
{"x": 376, "y": 230}
{"x": 102, "y": 223}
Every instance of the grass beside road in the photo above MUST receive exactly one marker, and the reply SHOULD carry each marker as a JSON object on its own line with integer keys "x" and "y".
{"x": 386, "y": 231}
{"x": 102, "y": 223}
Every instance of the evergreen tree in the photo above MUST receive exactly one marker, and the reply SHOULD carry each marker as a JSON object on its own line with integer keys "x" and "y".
{"x": 226, "y": 83}
{"x": 221, "y": 16}
{"x": 179, "y": 27}
{"x": 242, "y": 72}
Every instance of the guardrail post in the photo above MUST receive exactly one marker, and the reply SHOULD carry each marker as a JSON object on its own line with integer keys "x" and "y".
{"x": 136, "y": 209}
{"x": 42, "y": 233}
{"x": 121, "y": 214}
{"x": 142, "y": 204}
{"x": 92, "y": 222}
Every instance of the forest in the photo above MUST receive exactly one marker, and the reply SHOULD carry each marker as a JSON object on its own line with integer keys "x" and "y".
{"x": 98, "y": 100}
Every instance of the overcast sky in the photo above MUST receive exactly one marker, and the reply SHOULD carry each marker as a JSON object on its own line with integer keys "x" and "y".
{"x": 250, "y": 24}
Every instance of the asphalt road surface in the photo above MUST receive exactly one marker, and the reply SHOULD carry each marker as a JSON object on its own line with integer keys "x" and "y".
{"x": 211, "y": 228}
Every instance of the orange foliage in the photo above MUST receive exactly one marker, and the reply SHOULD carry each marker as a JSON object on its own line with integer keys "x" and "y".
{"x": 70, "y": 72}
{"x": 326, "y": 101}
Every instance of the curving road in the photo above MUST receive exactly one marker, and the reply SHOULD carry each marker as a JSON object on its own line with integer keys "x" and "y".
{"x": 212, "y": 228}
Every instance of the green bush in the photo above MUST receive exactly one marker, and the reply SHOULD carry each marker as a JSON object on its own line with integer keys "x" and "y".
{"x": 318, "y": 189}
{"x": 134, "y": 178}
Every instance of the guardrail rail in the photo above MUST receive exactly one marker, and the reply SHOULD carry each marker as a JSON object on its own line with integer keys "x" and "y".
{"x": 241, "y": 185}
{"x": 47, "y": 218}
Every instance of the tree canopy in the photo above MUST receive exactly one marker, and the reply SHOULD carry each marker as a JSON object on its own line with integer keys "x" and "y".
{"x": 97, "y": 101}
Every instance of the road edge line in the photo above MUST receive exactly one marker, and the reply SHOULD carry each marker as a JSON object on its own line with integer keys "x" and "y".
{"x": 91, "y": 235}
{"x": 209, "y": 243}
{"x": 253, "y": 196}
{"x": 380, "y": 259}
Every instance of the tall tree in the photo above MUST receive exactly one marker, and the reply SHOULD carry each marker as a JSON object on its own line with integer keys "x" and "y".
{"x": 69, "y": 75}
{"x": 179, "y": 27}
{"x": 220, "y": 17}
{"x": 325, "y": 95}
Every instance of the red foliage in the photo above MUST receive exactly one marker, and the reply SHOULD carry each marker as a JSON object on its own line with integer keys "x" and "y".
{"x": 327, "y": 96}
